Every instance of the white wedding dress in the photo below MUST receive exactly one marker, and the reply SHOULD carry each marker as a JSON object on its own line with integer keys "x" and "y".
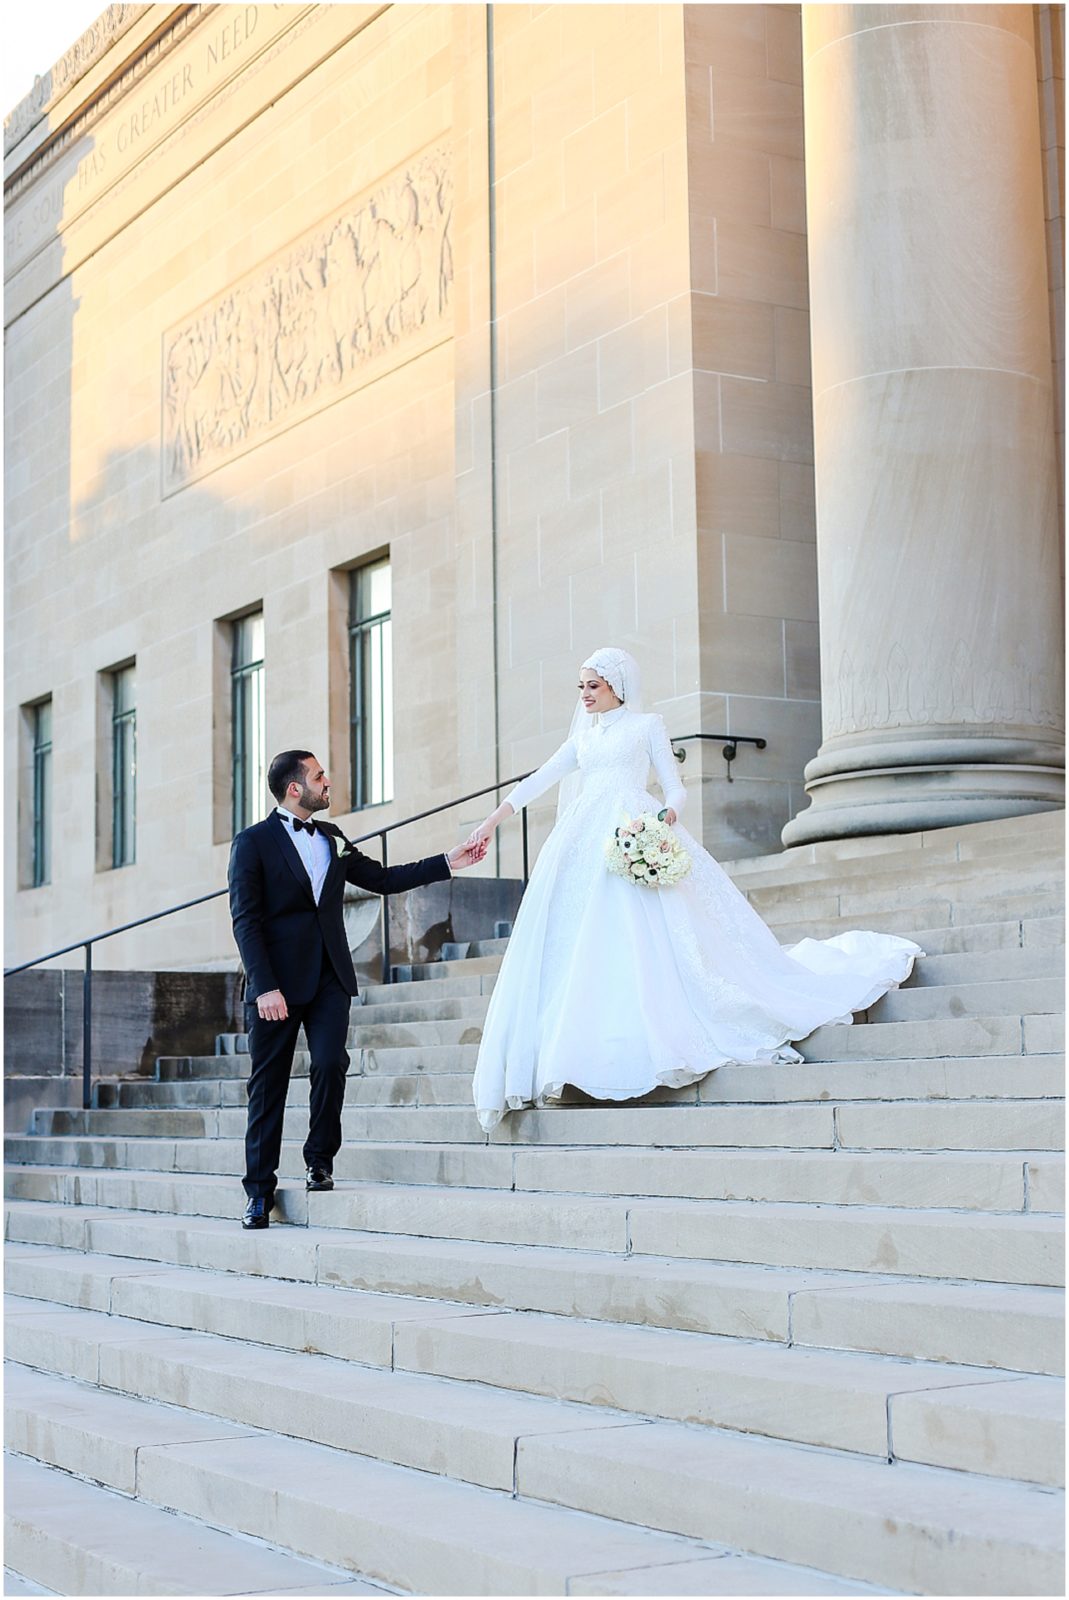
{"x": 617, "y": 989}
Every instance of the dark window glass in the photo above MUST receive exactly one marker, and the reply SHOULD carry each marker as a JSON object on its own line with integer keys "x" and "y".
{"x": 42, "y": 793}
{"x": 247, "y": 720}
{"x": 123, "y": 767}
{"x": 371, "y": 685}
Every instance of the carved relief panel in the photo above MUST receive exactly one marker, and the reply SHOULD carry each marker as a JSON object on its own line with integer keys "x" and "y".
{"x": 356, "y": 295}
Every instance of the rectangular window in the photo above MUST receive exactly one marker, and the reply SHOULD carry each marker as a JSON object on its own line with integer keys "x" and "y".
{"x": 42, "y": 793}
{"x": 123, "y": 766}
{"x": 249, "y": 767}
{"x": 370, "y": 684}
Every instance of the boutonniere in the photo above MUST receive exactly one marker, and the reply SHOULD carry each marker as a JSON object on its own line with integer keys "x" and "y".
{"x": 342, "y": 845}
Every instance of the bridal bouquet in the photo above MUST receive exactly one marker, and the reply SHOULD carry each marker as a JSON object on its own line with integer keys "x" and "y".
{"x": 647, "y": 851}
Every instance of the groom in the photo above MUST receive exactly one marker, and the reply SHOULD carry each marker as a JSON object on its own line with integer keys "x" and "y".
{"x": 287, "y": 881}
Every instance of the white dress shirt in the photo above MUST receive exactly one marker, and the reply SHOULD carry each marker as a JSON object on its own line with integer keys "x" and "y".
{"x": 313, "y": 849}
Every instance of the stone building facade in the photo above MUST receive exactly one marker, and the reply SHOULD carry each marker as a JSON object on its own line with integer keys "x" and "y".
{"x": 558, "y": 308}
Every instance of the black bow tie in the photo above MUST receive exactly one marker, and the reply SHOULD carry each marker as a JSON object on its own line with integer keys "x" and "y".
{"x": 309, "y": 827}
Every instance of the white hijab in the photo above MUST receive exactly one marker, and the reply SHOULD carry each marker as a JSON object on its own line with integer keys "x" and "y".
{"x": 621, "y": 672}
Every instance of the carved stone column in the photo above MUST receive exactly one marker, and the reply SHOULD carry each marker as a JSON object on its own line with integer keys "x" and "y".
{"x": 940, "y": 601}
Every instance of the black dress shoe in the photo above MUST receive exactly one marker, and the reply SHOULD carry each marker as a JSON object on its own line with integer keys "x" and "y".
{"x": 257, "y": 1211}
{"x": 318, "y": 1178}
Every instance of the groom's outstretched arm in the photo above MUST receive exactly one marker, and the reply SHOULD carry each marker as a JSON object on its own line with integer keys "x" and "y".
{"x": 368, "y": 874}
{"x": 246, "y": 880}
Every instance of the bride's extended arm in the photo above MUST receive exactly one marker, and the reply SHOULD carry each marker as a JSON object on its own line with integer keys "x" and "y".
{"x": 667, "y": 768}
{"x": 560, "y": 763}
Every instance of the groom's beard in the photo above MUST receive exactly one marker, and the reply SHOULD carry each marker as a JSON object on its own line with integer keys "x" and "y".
{"x": 314, "y": 802}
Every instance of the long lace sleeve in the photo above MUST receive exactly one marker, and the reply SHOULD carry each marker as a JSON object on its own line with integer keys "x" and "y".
{"x": 560, "y": 763}
{"x": 666, "y": 766}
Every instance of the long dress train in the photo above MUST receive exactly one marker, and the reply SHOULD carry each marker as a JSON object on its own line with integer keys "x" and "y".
{"x": 617, "y": 989}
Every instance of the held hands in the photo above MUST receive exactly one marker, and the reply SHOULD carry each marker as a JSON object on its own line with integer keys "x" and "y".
{"x": 272, "y": 1006}
{"x": 486, "y": 830}
{"x": 467, "y": 854}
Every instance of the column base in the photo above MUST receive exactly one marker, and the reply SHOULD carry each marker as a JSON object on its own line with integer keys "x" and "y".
{"x": 908, "y": 799}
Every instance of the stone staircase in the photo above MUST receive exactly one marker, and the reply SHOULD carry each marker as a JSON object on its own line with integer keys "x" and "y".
{"x": 793, "y": 1330}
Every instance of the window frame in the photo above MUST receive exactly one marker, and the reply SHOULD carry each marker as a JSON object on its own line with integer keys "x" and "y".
{"x": 41, "y": 796}
{"x": 368, "y": 630}
{"x": 247, "y": 711}
{"x": 123, "y": 769}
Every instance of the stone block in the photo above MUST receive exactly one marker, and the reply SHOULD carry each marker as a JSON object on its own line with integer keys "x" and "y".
{"x": 994, "y": 1247}
{"x": 718, "y": 1575}
{"x": 750, "y": 1302}
{"x": 733, "y": 336}
{"x": 414, "y": 1530}
{"x": 969, "y": 1182}
{"x": 89, "y": 1433}
{"x": 80, "y": 1539}
{"x": 595, "y": 1223}
{"x": 770, "y": 578}
{"x": 953, "y": 1125}
{"x": 69, "y": 1279}
{"x": 982, "y": 1325}
{"x": 770, "y": 419}
{"x": 1014, "y": 1429}
{"x": 861, "y": 1519}
{"x": 765, "y": 264}
{"x": 835, "y": 1401}
{"x": 468, "y": 1433}
{"x": 1045, "y": 1183}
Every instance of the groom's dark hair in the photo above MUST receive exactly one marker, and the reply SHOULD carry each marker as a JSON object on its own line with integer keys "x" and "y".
{"x": 285, "y": 769}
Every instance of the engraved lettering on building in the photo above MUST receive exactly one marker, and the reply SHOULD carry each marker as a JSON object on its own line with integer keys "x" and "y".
{"x": 345, "y": 302}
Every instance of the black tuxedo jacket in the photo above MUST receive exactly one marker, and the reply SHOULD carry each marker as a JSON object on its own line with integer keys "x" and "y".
{"x": 279, "y": 929}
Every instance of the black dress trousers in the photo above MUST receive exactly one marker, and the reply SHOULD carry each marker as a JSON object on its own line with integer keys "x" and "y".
{"x": 271, "y": 1046}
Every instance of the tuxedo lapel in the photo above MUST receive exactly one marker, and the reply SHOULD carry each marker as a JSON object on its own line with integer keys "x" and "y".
{"x": 277, "y": 830}
{"x": 336, "y": 864}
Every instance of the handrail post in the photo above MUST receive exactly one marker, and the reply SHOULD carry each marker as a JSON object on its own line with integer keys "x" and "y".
{"x": 386, "y": 966}
{"x": 87, "y": 1028}
{"x": 523, "y": 830}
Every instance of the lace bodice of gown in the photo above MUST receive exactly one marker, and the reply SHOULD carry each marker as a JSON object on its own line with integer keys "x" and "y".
{"x": 614, "y": 757}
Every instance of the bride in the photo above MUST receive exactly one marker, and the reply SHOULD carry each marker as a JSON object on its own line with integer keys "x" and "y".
{"x": 615, "y": 988}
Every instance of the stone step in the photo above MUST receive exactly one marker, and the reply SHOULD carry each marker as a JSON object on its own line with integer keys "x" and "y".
{"x": 990, "y": 998}
{"x": 458, "y": 986}
{"x": 969, "y": 1180}
{"x": 433, "y": 1056}
{"x": 1008, "y": 1326}
{"x": 417, "y": 1531}
{"x": 941, "y": 1078}
{"x": 529, "y": 1372}
{"x": 1006, "y": 1124}
{"x": 910, "y": 865}
{"x": 78, "y": 1538}
{"x": 949, "y": 1036}
{"x": 869, "y": 1520}
{"x": 1035, "y": 831}
{"x": 944, "y": 1036}
{"x": 467, "y": 1008}
{"x": 821, "y": 919}
{"x": 996, "y": 1247}
{"x": 986, "y": 966}
{"x": 468, "y": 1432}
{"x": 15, "y": 1583}
{"x": 374, "y": 1045}
{"x": 940, "y": 932}
{"x": 999, "y": 1425}
{"x": 907, "y": 1125}
{"x": 1012, "y": 936}
{"x": 891, "y": 889}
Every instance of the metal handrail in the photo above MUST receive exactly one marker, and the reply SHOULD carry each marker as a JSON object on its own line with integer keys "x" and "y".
{"x": 86, "y": 945}
{"x": 729, "y": 740}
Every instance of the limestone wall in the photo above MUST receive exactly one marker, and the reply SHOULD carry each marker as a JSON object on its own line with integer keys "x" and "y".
{"x": 571, "y": 396}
